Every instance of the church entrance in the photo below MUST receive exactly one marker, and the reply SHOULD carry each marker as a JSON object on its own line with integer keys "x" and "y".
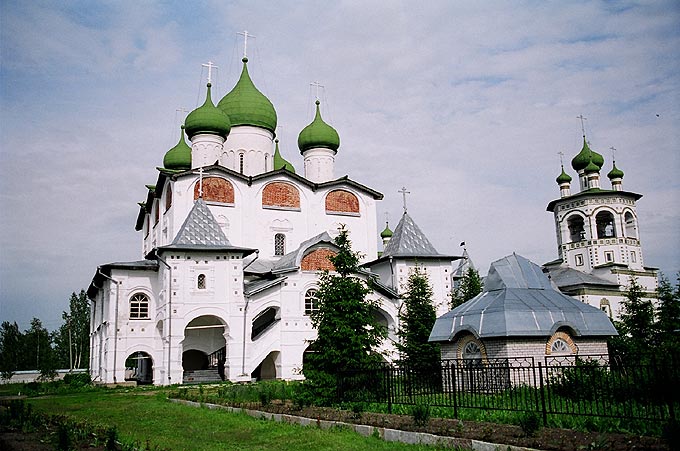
{"x": 204, "y": 349}
{"x": 139, "y": 368}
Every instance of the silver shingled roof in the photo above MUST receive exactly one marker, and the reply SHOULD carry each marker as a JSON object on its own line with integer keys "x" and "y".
{"x": 408, "y": 241}
{"x": 519, "y": 300}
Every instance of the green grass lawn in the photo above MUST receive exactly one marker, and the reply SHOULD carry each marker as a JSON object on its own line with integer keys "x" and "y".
{"x": 142, "y": 416}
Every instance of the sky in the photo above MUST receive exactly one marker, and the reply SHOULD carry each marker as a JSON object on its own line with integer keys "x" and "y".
{"x": 466, "y": 104}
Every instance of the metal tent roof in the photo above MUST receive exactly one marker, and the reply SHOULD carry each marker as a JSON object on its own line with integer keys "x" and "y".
{"x": 519, "y": 300}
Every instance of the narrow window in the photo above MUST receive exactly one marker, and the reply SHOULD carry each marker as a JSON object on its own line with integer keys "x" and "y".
{"x": 279, "y": 244}
{"x": 633, "y": 257}
{"x": 266, "y": 162}
{"x": 139, "y": 306}
{"x": 240, "y": 163}
{"x": 579, "y": 259}
{"x": 311, "y": 304}
{"x": 200, "y": 283}
{"x": 609, "y": 257}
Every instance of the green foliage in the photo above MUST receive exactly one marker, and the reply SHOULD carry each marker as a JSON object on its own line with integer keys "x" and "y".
{"x": 76, "y": 380}
{"x": 530, "y": 422}
{"x": 72, "y": 340}
{"x": 635, "y": 326}
{"x": 10, "y": 349}
{"x": 421, "y": 414}
{"x": 470, "y": 285}
{"x": 417, "y": 319}
{"x": 348, "y": 333}
{"x": 668, "y": 316}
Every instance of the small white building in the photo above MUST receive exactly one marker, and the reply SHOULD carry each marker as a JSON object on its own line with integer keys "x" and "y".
{"x": 232, "y": 244}
{"x": 598, "y": 237}
{"x": 521, "y": 315}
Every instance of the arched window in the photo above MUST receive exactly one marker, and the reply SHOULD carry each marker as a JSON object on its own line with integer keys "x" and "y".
{"x": 576, "y": 229}
{"x": 168, "y": 198}
{"x": 241, "y": 158}
{"x": 561, "y": 343}
{"x": 560, "y": 346}
{"x": 279, "y": 244}
{"x": 472, "y": 351}
{"x": 311, "y": 304}
{"x": 200, "y": 282}
{"x": 139, "y": 306}
{"x": 604, "y": 221}
{"x": 631, "y": 226}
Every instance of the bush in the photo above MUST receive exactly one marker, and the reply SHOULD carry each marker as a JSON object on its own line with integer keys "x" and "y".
{"x": 421, "y": 414}
{"x": 76, "y": 380}
{"x": 530, "y": 423}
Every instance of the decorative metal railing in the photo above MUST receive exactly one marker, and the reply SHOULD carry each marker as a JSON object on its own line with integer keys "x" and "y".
{"x": 584, "y": 385}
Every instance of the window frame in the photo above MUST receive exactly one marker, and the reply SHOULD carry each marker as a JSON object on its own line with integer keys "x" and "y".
{"x": 139, "y": 306}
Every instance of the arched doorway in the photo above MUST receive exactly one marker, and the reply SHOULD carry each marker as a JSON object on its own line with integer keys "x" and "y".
{"x": 139, "y": 368}
{"x": 204, "y": 347}
{"x": 267, "y": 369}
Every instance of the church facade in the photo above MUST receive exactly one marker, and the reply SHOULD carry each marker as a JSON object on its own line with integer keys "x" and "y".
{"x": 233, "y": 240}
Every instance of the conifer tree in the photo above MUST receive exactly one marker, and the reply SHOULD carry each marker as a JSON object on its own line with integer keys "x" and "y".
{"x": 416, "y": 321}
{"x": 10, "y": 349}
{"x": 668, "y": 316}
{"x": 348, "y": 333}
{"x": 469, "y": 287}
{"x": 635, "y": 326}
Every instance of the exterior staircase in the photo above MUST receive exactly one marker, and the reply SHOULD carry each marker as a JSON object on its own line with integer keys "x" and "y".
{"x": 201, "y": 376}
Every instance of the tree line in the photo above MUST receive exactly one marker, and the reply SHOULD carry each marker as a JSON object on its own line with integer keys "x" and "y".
{"x": 36, "y": 348}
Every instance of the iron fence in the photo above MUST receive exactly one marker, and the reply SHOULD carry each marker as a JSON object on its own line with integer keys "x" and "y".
{"x": 585, "y": 385}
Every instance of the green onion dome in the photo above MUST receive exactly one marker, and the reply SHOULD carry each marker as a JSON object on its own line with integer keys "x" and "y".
{"x": 387, "y": 233}
{"x": 615, "y": 173}
{"x": 563, "y": 177}
{"x": 246, "y": 105}
{"x": 584, "y": 157}
{"x": 592, "y": 168}
{"x": 179, "y": 157}
{"x": 318, "y": 134}
{"x": 207, "y": 119}
{"x": 280, "y": 162}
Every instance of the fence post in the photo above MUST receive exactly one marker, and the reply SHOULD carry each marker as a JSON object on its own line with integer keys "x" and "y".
{"x": 540, "y": 377}
{"x": 452, "y": 372}
{"x": 389, "y": 370}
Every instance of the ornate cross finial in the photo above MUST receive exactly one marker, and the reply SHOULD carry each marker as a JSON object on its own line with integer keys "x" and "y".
{"x": 613, "y": 149}
{"x": 404, "y": 193}
{"x": 210, "y": 66}
{"x": 561, "y": 154}
{"x": 583, "y": 129}
{"x": 245, "y": 35}
{"x": 200, "y": 182}
{"x": 317, "y": 85}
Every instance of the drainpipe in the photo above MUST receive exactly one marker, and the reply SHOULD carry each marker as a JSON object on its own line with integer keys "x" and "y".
{"x": 158, "y": 257}
{"x": 394, "y": 284}
{"x": 115, "y": 321}
{"x": 245, "y": 313}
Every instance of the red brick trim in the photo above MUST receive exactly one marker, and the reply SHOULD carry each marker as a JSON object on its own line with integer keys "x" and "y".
{"x": 317, "y": 260}
{"x": 281, "y": 195}
{"x": 342, "y": 202}
{"x": 216, "y": 189}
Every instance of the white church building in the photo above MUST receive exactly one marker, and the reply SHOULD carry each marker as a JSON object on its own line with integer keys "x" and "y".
{"x": 232, "y": 242}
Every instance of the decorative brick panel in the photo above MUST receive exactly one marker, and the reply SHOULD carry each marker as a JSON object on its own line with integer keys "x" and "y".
{"x": 317, "y": 260}
{"x": 216, "y": 189}
{"x": 281, "y": 195}
{"x": 341, "y": 201}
